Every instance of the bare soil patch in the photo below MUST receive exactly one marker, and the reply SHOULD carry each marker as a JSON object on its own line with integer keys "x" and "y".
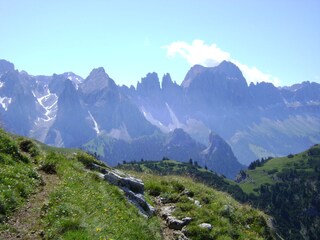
{"x": 26, "y": 222}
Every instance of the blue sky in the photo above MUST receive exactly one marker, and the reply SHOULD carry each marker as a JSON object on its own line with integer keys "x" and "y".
{"x": 276, "y": 41}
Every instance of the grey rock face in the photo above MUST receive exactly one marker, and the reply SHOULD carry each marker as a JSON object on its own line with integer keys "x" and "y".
{"x": 5, "y": 66}
{"x": 218, "y": 155}
{"x": 97, "y": 80}
{"x": 254, "y": 120}
{"x": 133, "y": 184}
{"x": 149, "y": 84}
{"x": 187, "y": 220}
{"x": 71, "y": 125}
{"x": 133, "y": 188}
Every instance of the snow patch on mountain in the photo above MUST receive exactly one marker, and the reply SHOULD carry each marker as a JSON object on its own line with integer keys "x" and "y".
{"x": 49, "y": 103}
{"x": 96, "y": 127}
{"x": 175, "y": 121}
{"x": 154, "y": 121}
{"x": 5, "y": 102}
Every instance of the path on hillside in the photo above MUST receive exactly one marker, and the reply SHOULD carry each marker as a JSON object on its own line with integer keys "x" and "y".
{"x": 163, "y": 211}
{"x": 26, "y": 222}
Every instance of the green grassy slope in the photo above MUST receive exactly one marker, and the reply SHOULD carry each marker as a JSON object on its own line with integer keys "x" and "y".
{"x": 18, "y": 177}
{"x": 229, "y": 218}
{"x": 269, "y": 173}
{"x": 81, "y": 206}
{"x": 197, "y": 173}
{"x": 288, "y": 188}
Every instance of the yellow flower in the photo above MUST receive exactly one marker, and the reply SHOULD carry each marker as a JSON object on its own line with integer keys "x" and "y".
{"x": 98, "y": 229}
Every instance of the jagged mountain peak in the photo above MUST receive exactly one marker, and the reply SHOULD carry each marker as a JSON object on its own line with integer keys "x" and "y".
{"x": 166, "y": 80}
{"x": 229, "y": 68}
{"x": 178, "y": 136}
{"x": 149, "y": 83}
{"x": 167, "y": 83}
{"x": 192, "y": 73}
{"x": 224, "y": 71}
{"x": 5, "y": 66}
{"x": 215, "y": 141}
{"x": 98, "y": 73}
{"x": 73, "y": 77}
{"x": 57, "y": 83}
{"x": 97, "y": 80}
{"x": 254, "y": 120}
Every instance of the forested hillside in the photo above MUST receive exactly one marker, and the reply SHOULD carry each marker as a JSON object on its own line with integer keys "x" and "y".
{"x": 288, "y": 188}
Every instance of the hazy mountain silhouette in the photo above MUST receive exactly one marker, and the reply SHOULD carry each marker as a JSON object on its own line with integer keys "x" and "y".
{"x": 127, "y": 123}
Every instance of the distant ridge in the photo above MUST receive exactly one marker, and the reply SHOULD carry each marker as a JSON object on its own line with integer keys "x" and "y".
{"x": 256, "y": 121}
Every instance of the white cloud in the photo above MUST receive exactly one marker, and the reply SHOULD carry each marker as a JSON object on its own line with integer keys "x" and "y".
{"x": 253, "y": 74}
{"x": 210, "y": 55}
{"x": 198, "y": 53}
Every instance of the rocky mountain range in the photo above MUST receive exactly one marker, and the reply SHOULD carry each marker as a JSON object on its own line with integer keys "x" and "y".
{"x": 155, "y": 120}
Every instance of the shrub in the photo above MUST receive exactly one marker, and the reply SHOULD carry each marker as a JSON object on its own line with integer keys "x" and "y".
{"x": 29, "y": 147}
{"x": 8, "y": 146}
{"x": 50, "y": 164}
{"x": 314, "y": 152}
{"x": 205, "y": 200}
{"x": 272, "y": 171}
{"x": 155, "y": 188}
{"x": 49, "y": 168}
{"x": 178, "y": 187}
{"x": 196, "y": 232}
{"x": 87, "y": 159}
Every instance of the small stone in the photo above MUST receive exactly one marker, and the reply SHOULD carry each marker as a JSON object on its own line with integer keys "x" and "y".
{"x": 166, "y": 211}
{"x": 197, "y": 202}
{"x": 174, "y": 223}
{"x": 206, "y": 226}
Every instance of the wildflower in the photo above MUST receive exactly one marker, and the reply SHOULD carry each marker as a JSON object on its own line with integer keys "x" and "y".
{"x": 98, "y": 229}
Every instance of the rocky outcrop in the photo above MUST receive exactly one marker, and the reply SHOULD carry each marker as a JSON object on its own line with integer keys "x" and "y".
{"x": 177, "y": 224}
{"x": 133, "y": 184}
{"x": 132, "y": 187}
